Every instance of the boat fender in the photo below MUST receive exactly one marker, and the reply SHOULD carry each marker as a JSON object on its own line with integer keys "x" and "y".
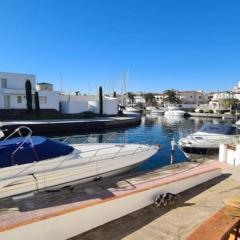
{"x": 165, "y": 199}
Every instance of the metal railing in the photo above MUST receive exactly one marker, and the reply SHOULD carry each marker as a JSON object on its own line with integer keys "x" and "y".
{"x": 27, "y": 138}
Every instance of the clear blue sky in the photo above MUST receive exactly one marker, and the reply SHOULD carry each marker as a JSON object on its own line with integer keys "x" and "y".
{"x": 164, "y": 44}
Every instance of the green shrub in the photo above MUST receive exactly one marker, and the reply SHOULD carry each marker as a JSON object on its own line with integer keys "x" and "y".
{"x": 222, "y": 111}
{"x": 201, "y": 111}
{"x": 210, "y": 111}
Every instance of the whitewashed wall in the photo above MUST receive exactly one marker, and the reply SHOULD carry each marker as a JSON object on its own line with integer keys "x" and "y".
{"x": 78, "y": 98}
{"x": 74, "y": 107}
{"x": 17, "y": 80}
{"x": 110, "y": 106}
{"x": 93, "y": 106}
{"x": 1, "y": 99}
{"x": 228, "y": 155}
{"x": 52, "y": 99}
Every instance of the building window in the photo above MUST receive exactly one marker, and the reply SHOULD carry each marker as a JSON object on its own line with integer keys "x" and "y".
{"x": 19, "y": 99}
{"x": 3, "y": 83}
{"x": 190, "y": 96}
{"x": 200, "y": 97}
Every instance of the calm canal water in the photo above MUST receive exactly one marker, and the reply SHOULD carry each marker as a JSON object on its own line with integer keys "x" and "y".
{"x": 153, "y": 130}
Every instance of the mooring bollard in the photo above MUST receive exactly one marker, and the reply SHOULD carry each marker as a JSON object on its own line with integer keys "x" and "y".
{"x": 173, "y": 144}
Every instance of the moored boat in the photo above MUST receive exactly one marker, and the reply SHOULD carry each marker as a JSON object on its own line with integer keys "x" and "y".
{"x": 209, "y": 137}
{"x": 34, "y": 163}
{"x": 1, "y": 132}
{"x": 174, "y": 111}
{"x": 157, "y": 112}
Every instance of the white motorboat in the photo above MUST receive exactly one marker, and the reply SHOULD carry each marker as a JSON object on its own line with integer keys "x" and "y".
{"x": 208, "y": 139}
{"x": 157, "y": 112}
{"x": 34, "y": 163}
{"x": 150, "y": 108}
{"x": 132, "y": 109}
{"x": 174, "y": 111}
{"x": 1, "y": 134}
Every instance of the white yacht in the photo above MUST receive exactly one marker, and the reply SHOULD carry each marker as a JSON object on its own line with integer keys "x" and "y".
{"x": 34, "y": 163}
{"x": 131, "y": 109}
{"x": 208, "y": 138}
{"x": 174, "y": 111}
{"x": 150, "y": 108}
{"x": 157, "y": 111}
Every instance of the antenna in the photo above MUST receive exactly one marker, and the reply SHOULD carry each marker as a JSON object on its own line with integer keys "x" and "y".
{"x": 113, "y": 83}
{"x": 61, "y": 84}
{"x": 123, "y": 88}
{"x": 127, "y": 79}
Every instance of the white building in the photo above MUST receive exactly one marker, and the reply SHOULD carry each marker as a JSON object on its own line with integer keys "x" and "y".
{"x": 193, "y": 97}
{"x": 189, "y": 99}
{"x": 218, "y": 103}
{"x": 43, "y": 86}
{"x": 13, "y": 96}
{"x": 77, "y": 104}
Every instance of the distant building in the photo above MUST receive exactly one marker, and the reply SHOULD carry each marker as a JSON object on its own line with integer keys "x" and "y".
{"x": 193, "y": 97}
{"x": 218, "y": 100}
{"x": 189, "y": 99}
{"x": 73, "y": 103}
{"x": 13, "y": 96}
{"x": 44, "y": 86}
{"x": 159, "y": 98}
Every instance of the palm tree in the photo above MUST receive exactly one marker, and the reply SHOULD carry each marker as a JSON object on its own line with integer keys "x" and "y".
{"x": 149, "y": 99}
{"x": 229, "y": 103}
{"x": 130, "y": 97}
{"x": 171, "y": 97}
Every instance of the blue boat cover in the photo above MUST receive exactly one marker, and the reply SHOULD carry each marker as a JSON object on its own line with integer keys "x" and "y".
{"x": 43, "y": 149}
{"x": 225, "y": 129}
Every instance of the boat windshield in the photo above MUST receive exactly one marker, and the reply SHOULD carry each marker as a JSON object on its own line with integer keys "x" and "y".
{"x": 220, "y": 129}
{"x": 41, "y": 149}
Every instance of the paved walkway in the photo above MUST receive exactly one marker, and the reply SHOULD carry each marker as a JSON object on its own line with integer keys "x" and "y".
{"x": 195, "y": 206}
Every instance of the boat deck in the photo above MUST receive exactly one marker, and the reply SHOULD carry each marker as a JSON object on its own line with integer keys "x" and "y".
{"x": 16, "y": 212}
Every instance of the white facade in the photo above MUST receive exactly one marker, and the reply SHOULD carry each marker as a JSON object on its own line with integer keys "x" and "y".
{"x": 74, "y": 107}
{"x": 189, "y": 99}
{"x": 217, "y": 103}
{"x": 193, "y": 97}
{"x": 77, "y": 104}
{"x": 48, "y": 100}
{"x": 13, "y": 96}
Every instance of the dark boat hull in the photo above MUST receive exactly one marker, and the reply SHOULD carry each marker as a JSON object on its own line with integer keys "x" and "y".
{"x": 200, "y": 151}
